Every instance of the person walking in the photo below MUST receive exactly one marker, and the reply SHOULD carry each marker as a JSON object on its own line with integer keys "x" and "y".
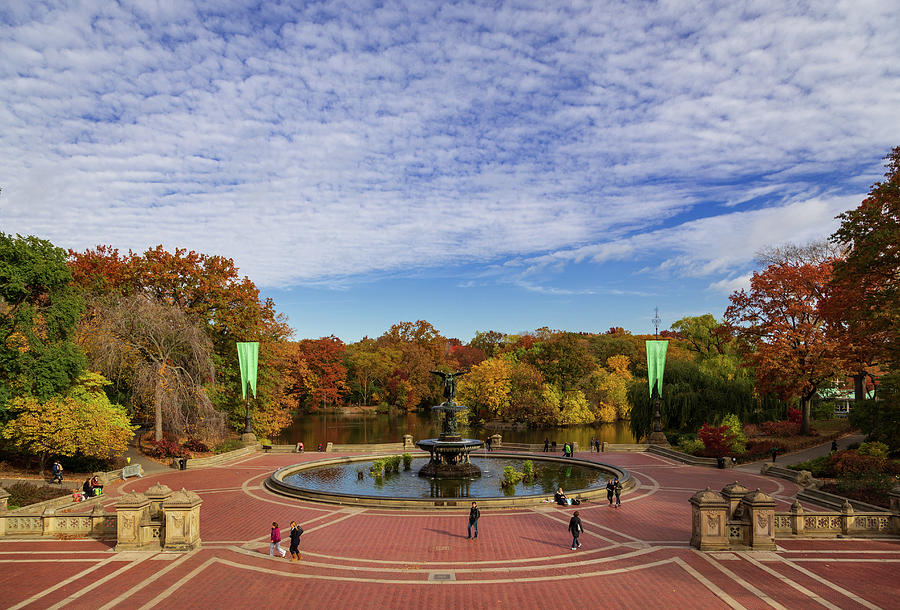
{"x": 489, "y": 448}
{"x": 598, "y": 445}
{"x": 474, "y": 514}
{"x": 275, "y": 541}
{"x": 610, "y": 490}
{"x": 296, "y": 530}
{"x": 575, "y": 528}
{"x": 57, "y": 472}
{"x": 546, "y": 444}
{"x": 774, "y": 451}
{"x": 591, "y": 446}
{"x": 617, "y": 489}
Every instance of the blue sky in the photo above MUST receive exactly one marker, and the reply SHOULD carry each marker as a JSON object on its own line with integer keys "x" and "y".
{"x": 480, "y": 165}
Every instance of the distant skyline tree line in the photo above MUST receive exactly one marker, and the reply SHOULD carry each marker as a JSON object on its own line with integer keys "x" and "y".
{"x": 155, "y": 333}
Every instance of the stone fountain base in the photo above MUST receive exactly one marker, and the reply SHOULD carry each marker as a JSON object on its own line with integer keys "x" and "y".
{"x": 449, "y": 458}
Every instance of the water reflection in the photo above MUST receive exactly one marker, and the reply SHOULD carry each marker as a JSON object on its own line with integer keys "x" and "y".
{"x": 370, "y": 427}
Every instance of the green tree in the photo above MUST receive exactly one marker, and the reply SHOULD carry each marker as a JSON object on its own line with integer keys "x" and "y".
{"x": 39, "y": 312}
{"x": 563, "y": 359}
{"x": 83, "y": 422}
{"x": 704, "y": 334}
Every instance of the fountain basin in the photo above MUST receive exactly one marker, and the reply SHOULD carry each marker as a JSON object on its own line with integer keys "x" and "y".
{"x": 447, "y": 493}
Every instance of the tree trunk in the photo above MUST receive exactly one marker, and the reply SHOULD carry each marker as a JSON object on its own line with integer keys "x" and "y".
{"x": 805, "y": 403}
{"x": 859, "y": 392}
{"x": 157, "y": 411}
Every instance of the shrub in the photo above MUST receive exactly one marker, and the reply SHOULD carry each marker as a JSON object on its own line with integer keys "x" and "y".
{"x": 510, "y": 477}
{"x": 231, "y": 444}
{"x": 873, "y": 489}
{"x": 794, "y": 415}
{"x": 528, "y": 468}
{"x": 735, "y": 434}
{"x": 691, "y": 446}
{"x": 23, "y": 494}
{"x": 407, "y": 461}
{"x": 395, "y": 462}
{"x": 165, "y": 449}
{"x": 819, "y": 467}
{"x": 852, "y": 463}
{"x": 716, "y": 441}
{"x": 780, "y": 428}
{"x": 874, "y": 449}
{"x": 377, "y": 468}
{"x": 193, "y": 444}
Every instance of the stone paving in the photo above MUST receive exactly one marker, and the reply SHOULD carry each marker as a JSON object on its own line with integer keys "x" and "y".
{"x": 633, "y": 557}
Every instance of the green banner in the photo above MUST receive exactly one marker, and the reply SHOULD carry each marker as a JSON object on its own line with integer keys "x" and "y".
{"x": 656, "y": 362}
{"x": 248, "y": 356}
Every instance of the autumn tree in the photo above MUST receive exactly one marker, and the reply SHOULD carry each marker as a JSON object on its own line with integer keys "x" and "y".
{"x": 485, "y": 389}
{"x": 420, "y": 348}
{"x": 39, "y": 312}
{"x": 325, "y": 359}
{"x": 784, "y": 336}
{"x": 163, "y": 355}
{"x": 208, "y": 289}
{"x": 487, "y": 341}
{"x": 83, "y": 421}
{"x": 865, "y": 290}
{"x": 367, "y": 368}
{"x": 563, "y": 359}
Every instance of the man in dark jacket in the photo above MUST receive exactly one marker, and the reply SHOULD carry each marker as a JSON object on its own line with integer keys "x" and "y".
{"x": 575, "y": 528}
{"x": 474, "y": 514}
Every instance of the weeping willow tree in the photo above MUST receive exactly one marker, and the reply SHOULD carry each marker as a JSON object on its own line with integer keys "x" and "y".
{"x": 693, "y": 396}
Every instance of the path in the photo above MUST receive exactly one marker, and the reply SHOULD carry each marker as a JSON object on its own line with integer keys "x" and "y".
{"x": 806, "y": 454}
{"x": 356, "y": 557}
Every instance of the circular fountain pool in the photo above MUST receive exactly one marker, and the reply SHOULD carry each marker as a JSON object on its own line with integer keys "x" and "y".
{"x": 338, "y": 480}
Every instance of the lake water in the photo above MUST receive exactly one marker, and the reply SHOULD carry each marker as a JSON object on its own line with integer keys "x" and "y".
{"x": 371, "y": 427}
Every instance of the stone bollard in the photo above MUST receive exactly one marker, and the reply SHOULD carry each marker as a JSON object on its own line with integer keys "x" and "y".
{"x": 329, "y": 446}
{"x": 157, "y": 495}
{"x": 408, "y": 442}
{"x": 181, "y": 512}
{"x": 4, "y": 500}
{"x": 846, "y": 517}
{"x": 132, "y": 511}
{"x": 496, "y": 440}
{"x": 759, "y": 509}
{"x": 733, "y": 494}
{"x": 709, "y": 511}
{"x": 797, "y": 522}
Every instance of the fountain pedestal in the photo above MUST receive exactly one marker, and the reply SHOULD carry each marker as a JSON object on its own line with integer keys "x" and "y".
{"x": 450, "y": 451}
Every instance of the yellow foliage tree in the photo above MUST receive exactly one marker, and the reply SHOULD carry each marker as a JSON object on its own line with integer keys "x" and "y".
{"x": 83, "y": 421}
{"x": 485, "y": 389}
{"x": 575, "y": 409}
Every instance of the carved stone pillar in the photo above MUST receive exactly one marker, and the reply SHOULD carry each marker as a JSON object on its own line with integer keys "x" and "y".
{"x": 846, "y": 517}
{"x": 709, "y": 511}
{"x": 797, "y": 525}
{"x": 132, "y": 511}
{"x": 733, "y": 494}
{"x": 4, "y": 500}
{"x": 97, "y": 517}
{"x": 408, "y": 442}
{"x": 181, "y": 512}
{"x": 496, "y": 440}
{"x": 48, "y": 518}
{"x": 157, "y": 495}
{"x": 759, "y": 509}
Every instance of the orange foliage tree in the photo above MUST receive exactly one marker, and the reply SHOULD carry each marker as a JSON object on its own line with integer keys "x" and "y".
{"x": 782, "y": 332}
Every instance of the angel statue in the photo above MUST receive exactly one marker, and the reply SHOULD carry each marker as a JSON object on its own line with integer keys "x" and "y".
{"x": 449, "y": 383}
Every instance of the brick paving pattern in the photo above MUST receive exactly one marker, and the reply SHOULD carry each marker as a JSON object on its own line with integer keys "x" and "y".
{"x": 633, "y": 557}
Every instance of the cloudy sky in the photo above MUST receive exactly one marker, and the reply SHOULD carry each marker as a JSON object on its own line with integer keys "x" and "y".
{"x": 481, "y": 165}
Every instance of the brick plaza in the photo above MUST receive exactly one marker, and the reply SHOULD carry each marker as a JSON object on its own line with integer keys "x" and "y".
{"x": 634, "y": 557}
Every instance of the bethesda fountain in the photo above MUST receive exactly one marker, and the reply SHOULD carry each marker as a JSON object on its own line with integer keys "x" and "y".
{"x": 450, "y": 451}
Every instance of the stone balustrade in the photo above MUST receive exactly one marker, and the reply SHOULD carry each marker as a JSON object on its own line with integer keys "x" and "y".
{"x": 737, "y": 518}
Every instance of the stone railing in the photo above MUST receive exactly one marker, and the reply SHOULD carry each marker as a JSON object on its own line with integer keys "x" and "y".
{"x": 94, "y": 523}
{"x": 215, "y": 460}
{"x": 803, "y": 478}
{"x": 737, "y": 518}
{"x": 684, "y": 458}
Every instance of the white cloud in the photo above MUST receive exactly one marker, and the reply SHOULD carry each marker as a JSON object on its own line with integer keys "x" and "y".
{"x": 316, "y": 143}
